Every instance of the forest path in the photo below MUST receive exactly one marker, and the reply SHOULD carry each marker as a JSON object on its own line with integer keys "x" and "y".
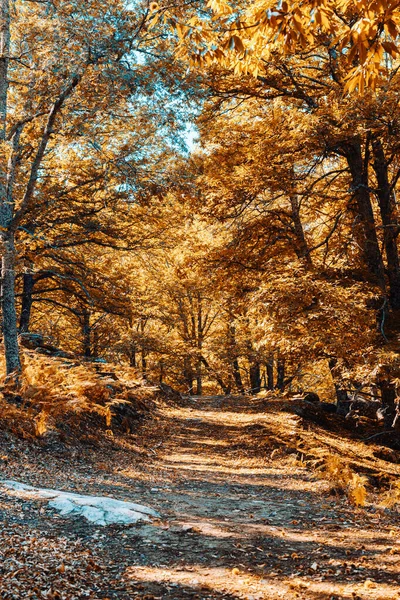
{"x": 240, "y": 520}
{"x": 240, "y": 525}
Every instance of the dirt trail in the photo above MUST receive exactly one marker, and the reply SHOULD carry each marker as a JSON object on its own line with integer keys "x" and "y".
{"x": 237, "y": 524}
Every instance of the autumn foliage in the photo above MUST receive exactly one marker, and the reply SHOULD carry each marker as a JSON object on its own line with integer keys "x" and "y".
{"x": 263, "y": 257}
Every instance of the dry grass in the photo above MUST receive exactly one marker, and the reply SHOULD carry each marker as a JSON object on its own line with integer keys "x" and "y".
{"x": 344, "y": 479}
{"x": 53, "y": 389}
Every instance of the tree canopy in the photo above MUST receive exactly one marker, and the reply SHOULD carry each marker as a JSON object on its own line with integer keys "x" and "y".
{"x": 264, "y": 250}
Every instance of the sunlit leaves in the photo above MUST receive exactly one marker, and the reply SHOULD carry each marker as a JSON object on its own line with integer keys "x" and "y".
{"x": 364, "y": 33}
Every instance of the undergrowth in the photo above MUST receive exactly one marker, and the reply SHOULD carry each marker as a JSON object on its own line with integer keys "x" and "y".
{"x": 53, "y": 390}
{"x": 344, "y": 479}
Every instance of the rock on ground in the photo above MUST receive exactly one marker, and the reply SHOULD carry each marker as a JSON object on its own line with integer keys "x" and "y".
{"x": 99, "y": 510}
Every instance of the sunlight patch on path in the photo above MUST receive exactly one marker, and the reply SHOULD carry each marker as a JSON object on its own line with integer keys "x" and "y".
{"x": 217, "y": 579}
{"x": 248, "y": 586}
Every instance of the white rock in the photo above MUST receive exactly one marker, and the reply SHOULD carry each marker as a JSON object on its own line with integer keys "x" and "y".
{"x": 100, "y": 510}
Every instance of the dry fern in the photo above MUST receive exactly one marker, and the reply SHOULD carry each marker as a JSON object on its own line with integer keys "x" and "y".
{"x": 392, "y": 497}
{"x": 52, "y": 388}
{"x": 41, "y": 424}
{"x": 344, "y": 479}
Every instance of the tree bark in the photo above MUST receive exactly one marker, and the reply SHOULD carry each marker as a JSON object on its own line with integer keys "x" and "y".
{"x": 143, "y": 360}
{"x": 188, "y": 375}
{"x": 255, "y": 378}
{"x": 233, "y": 353}
{"x": 280, "y": 374}
{"x": 270, "y": 373}
{"x": 95, "y": 343}
{"x": 28, "y": 284}
{"x": 254, "y": 368}
{"x": 142, "y": 325}
{"x": 387, "y": 208}
{"x": 302, "y": 249}
{"x": 132, "y": 355}
{"x": 388, "y": 392}
{"x": 364, "y": 227}
{"x": 237, "y": 376}
{"x": 4, "y": 61}
{"x": 10, "y": 333}
{"x": 199, "y": 379}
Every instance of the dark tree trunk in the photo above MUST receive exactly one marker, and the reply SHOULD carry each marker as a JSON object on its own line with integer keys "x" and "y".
{"x": 388, "y": 392}
{"x": 237, "y": 376}
{"x": 95, "y": 343}
{"x": 28, "y": 284}
{"x": 254, "y": 368}
{"x": 387, "y": 208}
{"x": 364, "y": 224}
{"x": 255, "y": 378}
{"x": 280, "y": 374}
{"x": 10, "y": 332}
{"x": 302, "y": 249}
{"x": 270, "y": 373}
{"x": 144, "y": 362}
{"x": 142, "y": 324}
{"x": 232, "y": 348}
{"x": 9, "y": 325}
{"x": 132, "y": 355}
{"x": 199, "y": 379}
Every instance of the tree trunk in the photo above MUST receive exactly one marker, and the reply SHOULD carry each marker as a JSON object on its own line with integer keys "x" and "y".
{"x": 364, "y": 227}
{"x": 4, "y": 61}
{"x": 270, "y": 373}
{"x": 10, "y": 332}
{"x": 255, "y": 378}
{"x": 199, "y": 379}
{"x": 237, "y": 376}
{"x": 28, "y": 283}
{"x": 302, "y": 249}
{"x": 388, "y": 392}
{"x": 142, "y": 324}
{"x": 132, "y": 355}
{"x": 95, "y": 343}
{"x": 233, "y": 353}
{"x": 144, "y": 362}
{"x": 280, "y": 374}
{"x": 254, "y": 368}
{"x": 188, "y": 375}
{"x": 387, "y": 208}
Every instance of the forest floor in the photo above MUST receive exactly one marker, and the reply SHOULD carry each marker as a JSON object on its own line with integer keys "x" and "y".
{"x": 242, "y": 518}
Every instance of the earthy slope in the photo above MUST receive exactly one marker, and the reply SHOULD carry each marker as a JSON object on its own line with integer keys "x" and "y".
{"x": 242, "y": 516}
